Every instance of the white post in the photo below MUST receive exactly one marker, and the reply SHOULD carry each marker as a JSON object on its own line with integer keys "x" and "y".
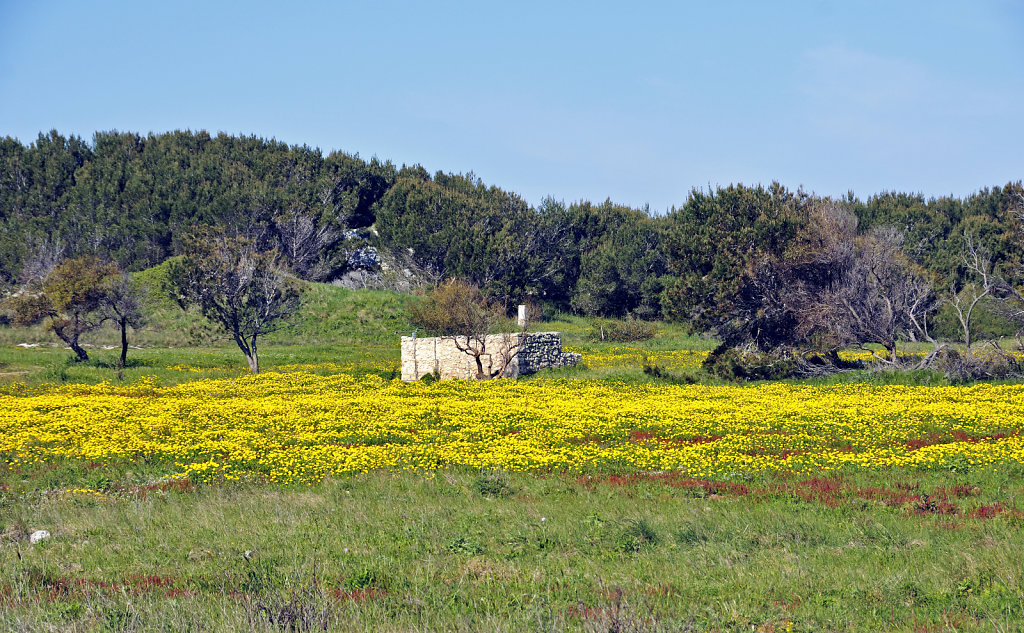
{"x": 524, "y": 316}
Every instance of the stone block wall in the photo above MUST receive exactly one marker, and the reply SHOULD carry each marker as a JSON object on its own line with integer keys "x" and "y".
{"x": 422, "y": 356}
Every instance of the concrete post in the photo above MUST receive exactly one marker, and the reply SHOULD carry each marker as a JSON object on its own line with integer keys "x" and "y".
{"x": 524, "y": 316}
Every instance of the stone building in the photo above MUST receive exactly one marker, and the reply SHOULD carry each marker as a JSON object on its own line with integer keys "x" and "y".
{"x": 540, "y": 350}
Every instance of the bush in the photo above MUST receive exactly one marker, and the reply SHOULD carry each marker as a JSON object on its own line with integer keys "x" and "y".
{"x": 635, "y": 536}
{"x": 989, "y": 364}
{"x": 493, "y": 484}
{"x": 622, "y": 331}
{"x": 740, "y": 365}
{"x": 654, "y": 370}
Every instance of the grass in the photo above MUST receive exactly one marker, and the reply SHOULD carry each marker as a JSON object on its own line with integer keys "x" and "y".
{"x": 334, "y": 325}
{"x": 491, "y": 551}
{"x": 458, "y": 552}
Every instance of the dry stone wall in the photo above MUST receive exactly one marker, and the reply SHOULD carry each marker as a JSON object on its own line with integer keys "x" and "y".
{"x": 422, "y": 356}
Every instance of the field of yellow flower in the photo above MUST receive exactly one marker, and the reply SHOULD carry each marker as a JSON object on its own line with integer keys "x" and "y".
{"x": 680, "y": 359}
{"x": 302, "y": 427}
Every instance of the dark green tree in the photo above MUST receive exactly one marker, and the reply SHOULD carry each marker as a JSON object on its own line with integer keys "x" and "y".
{"x": 726, "y": 252}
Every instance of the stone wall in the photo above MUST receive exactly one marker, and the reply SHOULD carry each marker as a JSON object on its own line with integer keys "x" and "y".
{"x": 543, "y": 350}
{"x": 422, "y": 356}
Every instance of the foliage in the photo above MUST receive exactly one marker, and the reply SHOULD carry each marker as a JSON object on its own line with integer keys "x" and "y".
{"x": 452, "y": 308}
{"x": 134, "y": 198}
{"x": 71, "y": 299}
{"x": 619, "y": 260}
{"x": 732, "y": 260}
{"x": 456, "y": 227}
{"x": 635, "y": 535}
{"x": 459, "y": 312}
{"x": 743, "y": 365}
{"x": 242, "y": 289}
{"x": 726, "y": 249}
{"x": 496, "y": 483}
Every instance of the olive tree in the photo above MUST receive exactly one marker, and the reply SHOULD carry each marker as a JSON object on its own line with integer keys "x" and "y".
{"x": 242, "y": 289}
{"x": 69, "y": 299}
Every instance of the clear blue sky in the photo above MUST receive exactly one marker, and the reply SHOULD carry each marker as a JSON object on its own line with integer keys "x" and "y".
{"x": 638, "y": 102}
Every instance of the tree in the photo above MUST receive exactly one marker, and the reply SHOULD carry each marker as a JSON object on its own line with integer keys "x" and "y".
{"x": 726, "y": 249}
{"x": 619, "y": 262}
{"x": 240, "y": 288}
{"x": 308, "y": 244}
{"x": 459, "y": 312}
{"x": 69, "y": 299}
{"x": 123, "y": 304}
{"x": 883, "y": 297}
{"x": 965, "y": 298}
{"x": 456, "y": 227}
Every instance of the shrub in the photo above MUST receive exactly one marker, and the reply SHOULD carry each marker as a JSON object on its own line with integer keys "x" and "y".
{"x": 654, "y": 370}
{"x": 989, "y": 364}
{"x": 493, "y": 484}
{"x": 635, "y": 536}
{"x": 739, "y": 365}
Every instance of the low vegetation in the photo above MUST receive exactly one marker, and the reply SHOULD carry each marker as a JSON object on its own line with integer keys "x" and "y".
{"x": 900, "y": 550}
{"x": 794, "y": 413}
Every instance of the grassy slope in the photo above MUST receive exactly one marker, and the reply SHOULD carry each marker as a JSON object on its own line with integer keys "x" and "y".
{"x": 334, "y": 325}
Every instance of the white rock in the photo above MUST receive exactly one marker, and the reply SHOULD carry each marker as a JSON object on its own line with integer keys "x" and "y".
{"x": 38, "y": 535}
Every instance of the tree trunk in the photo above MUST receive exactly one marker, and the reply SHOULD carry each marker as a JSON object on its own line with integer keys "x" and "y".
{"x": 124, "y": 344}
{"x": 71, "y": 338}
{"x": 251, "y": 356}
{"x": 254, "y": 358}
{"x": 77, "y": 349}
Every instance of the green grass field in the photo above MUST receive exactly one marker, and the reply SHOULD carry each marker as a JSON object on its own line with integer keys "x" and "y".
{"x": 496, "y": 552}
{"x": 468, "y": 551}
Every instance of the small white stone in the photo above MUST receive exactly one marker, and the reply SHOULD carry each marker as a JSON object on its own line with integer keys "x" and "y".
{"x": 38, "y": 535}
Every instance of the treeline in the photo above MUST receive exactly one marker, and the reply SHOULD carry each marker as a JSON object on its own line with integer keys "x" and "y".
{"x": 135, "y": 199}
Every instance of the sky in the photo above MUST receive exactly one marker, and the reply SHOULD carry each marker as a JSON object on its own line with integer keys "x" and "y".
{"x": 637, "y": 102}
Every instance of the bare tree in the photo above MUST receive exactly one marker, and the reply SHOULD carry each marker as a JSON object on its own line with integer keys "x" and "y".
{"x": 307, "y": 243}
{"x": 964, "y": 300}
{"x": 45, "y": 254}
{"x": 883, "y": 297}
{"x": 237, "y": 286}
{"x": 123, "y": 304}
{"x": 458, "y": 312}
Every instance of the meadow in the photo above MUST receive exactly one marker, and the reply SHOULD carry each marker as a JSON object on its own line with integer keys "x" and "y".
{"x": 182, "y": 494}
